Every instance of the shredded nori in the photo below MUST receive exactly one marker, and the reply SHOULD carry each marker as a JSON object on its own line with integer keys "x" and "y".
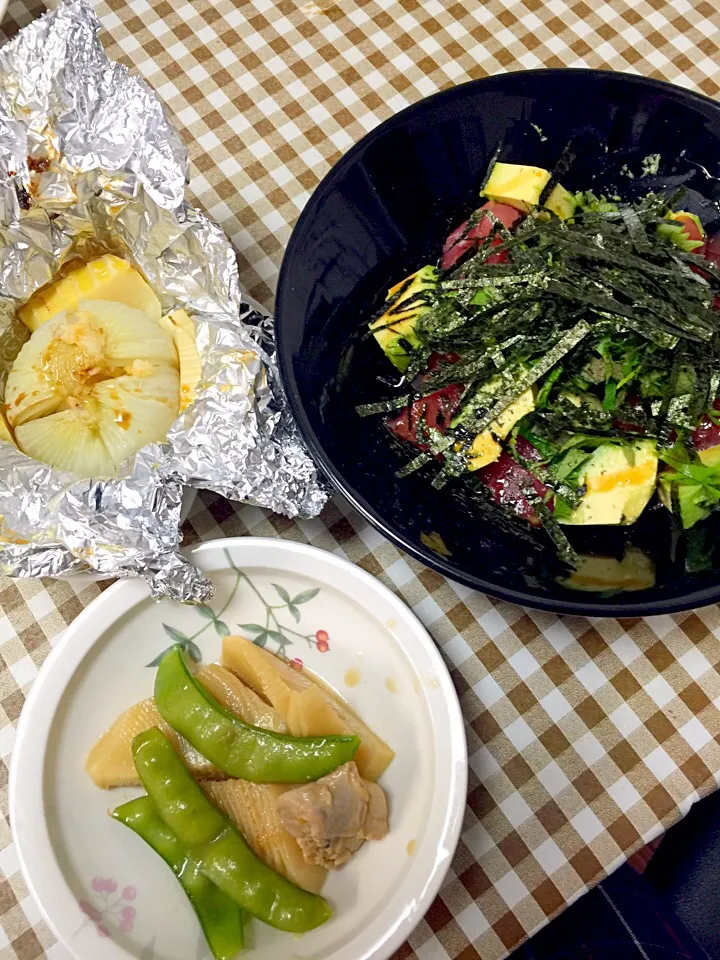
{"x": 382, "y": 406}
{"x": 522, "y": 381}
{"x": 610, "y": 321}
{"x": 565, "y": 161}
{"x": 566, "y": 552}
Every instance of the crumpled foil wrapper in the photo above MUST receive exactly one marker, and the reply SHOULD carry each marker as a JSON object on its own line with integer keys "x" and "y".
{"x": 89, "y": 163}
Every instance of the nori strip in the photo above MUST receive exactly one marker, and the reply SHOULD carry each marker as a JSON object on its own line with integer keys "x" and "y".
{"x": 382, "y": 406}
{"x": 563, "y": 345}
{"x": 636, "y": 229}
{"x": 663, "y": 426}
{"x": 493, "y": 160}
{"x": 419, "y": 461}
{"x": 566, "y": 552}
{"x": 565, "y": 161}
{"x": 707, "y": 265}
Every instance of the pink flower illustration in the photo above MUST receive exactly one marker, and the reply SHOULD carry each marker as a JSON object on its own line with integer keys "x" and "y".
{"x": 104, "y": 885}
{"x": 107, "y": 911}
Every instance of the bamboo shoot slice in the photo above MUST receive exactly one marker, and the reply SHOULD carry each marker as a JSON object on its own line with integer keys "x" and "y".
{"x": 253, "y": 809}
{"x": 308, "y": 708}
{"x": 110, "y": 761}
{"x": 239, "y": 699}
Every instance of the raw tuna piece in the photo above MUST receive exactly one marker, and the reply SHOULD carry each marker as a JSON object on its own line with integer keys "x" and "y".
{"x": 707, "y": 433}
{"x": 711, "y": 250}
{"x": 434, "y": 363}
{"x": 457, "y": 245}
{"x": 435, "y": 410}
{"x": 507, "y": 482}
{"x": 526, "y": 450}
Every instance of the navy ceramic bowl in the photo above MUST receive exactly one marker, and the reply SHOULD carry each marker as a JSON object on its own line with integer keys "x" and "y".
{"x": 382, "y": 212}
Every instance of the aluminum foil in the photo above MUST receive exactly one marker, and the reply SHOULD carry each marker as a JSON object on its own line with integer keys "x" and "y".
{"x": 89, "y": 163}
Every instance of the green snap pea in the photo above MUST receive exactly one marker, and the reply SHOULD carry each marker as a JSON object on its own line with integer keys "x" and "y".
{"x": 219, "y": 915}
{"x": 238, "y": 748}
{"x": 218, "y": 848}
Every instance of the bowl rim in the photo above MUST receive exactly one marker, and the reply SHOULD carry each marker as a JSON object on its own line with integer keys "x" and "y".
{"x": 587, "y": 608}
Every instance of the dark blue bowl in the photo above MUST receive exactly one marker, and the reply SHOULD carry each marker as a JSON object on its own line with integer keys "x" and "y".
{"x": 382, "y": 212}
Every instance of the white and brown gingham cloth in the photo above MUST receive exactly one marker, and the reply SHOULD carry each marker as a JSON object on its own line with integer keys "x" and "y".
{"x": 586, "y": 737}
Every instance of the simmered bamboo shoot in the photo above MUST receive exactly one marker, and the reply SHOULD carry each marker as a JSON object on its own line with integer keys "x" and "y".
{"x": 110, "y": 762}
{"x": 253, "y": 809}
{"x": 307, "y": 707}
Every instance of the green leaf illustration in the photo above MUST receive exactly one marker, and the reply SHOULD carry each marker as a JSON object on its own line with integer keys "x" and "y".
{"x": 305, "y": 596}
{"x": 194, "y": 651}
{"x": 252, "y": 627}
{"x": 278, "y": 637}
{"x": 158, "y": 658}
{"x": 205, "y": 611}
{"x": 177, "y": 635}
{"x": 221, "y": 628}
{"x": 295, "y": 612}
{"x": 261, "y": 639}
{"x": 284, "y": 595}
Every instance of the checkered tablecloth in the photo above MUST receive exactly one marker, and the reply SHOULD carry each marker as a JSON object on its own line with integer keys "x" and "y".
{"x": 586, "y": 738}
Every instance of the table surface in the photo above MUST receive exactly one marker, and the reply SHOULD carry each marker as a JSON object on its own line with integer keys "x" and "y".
{"x": 586, "y": 737}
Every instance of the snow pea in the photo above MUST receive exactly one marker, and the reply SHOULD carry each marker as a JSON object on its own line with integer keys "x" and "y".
{"x": 220, "y": 917}
{"x": 238, "y": 748}
{"x": 216, "y": 845}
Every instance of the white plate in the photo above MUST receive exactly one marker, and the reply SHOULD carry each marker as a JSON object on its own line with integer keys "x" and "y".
{"x": 105, "y": 894}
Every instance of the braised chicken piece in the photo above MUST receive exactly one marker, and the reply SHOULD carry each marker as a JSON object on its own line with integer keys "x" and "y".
{"x": 332, "y": 817}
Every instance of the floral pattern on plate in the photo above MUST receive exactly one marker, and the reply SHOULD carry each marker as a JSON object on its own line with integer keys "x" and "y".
{"x": 272, "y": 630}
{"x": 105, "y": 912}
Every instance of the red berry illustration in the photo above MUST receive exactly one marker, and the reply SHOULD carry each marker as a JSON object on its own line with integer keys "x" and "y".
{"x": 296, "y": 664}
{"x": 322, "y": 638}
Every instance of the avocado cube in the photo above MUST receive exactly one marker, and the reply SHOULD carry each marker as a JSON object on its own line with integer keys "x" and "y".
{"x": 561, "y": 202}
{"x": 619, "y": 480}
{"x": 710, "y": 456}
{"x": 521, "y": 186}
{"x": 485, "y": 449}
{"x": 395, "y": 330}
{"x": 516, "y": 184}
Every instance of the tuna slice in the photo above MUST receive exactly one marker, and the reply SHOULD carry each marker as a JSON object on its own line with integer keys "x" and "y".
{"x": 432, "y": 411}
{"x": 509, "y": 482}
{"x": 463, "y": 239}
{"x": 707, "y": 434}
